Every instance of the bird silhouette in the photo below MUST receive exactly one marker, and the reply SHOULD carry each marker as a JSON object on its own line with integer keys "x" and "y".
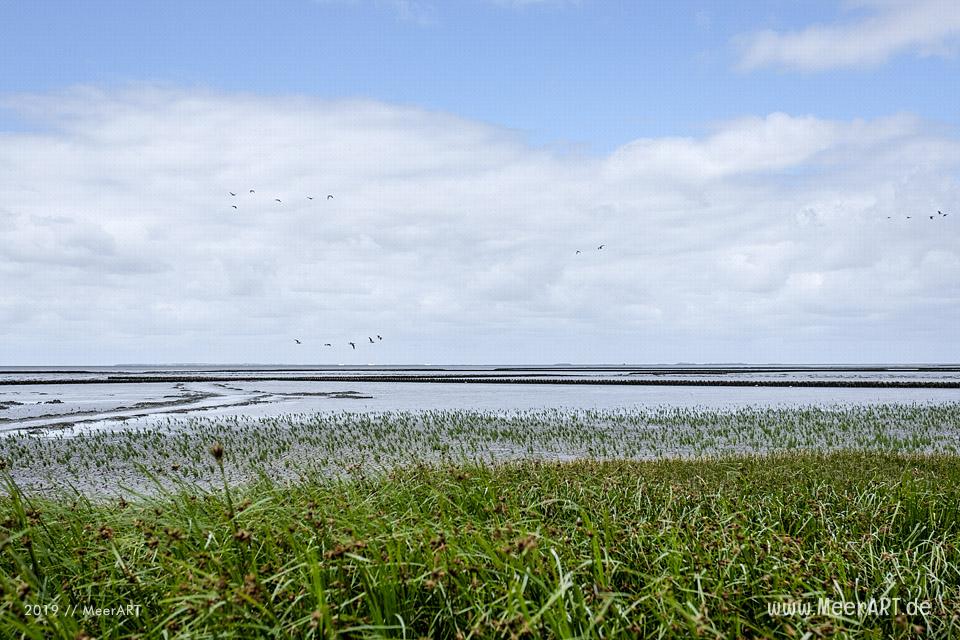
{"x": 231, "y": 193}
{"x": 601, "y": 247}
{"x": 379, "y": 337}
{"x": 234, "y": 206}
{"x": 329, "y": 197}
{"x": 252, "y": 191}
{"x": 370, "y": 339}
{"x": 931, "y": 217}
{"x": 297, "y": 341}
{"x": 352, "y": 344}
{"x": 578, "y": 252}
{"x": 908, "y": 217}
{"x": 309, "y": 197}
{"x": 327, "y": 344}
{"x": 277, "y": 200}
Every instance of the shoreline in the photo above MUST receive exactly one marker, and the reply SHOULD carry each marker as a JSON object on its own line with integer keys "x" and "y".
{"x": 485, "y": 379}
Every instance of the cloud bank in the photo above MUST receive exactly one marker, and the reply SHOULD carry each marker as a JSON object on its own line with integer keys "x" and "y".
{"x": 767, "y": 239}
{"x": 923, "y": 27}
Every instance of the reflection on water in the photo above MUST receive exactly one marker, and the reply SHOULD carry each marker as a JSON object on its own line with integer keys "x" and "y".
{"x": 135, "y": 404}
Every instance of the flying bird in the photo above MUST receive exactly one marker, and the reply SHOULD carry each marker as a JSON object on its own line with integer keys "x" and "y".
{"x": 601, "y": 247}
{"x": 309, "y": 197}
{"x": 327, "y": 344}
{"x": 231, "y": 193}
{"x": 379, "y": 337}
{"x": 252, "y": 191}
{"x": 352, "y": 344}
{"x": 234, "y": 206}
{"x": 297, "y": 341}
{"x": 908, "y": 217}
{"x": 578, "y": 252}
{"x": 370, "y": 339}
{"x": 329, "y": 197}
{"x": 277, "y": 200}
{"x": 931, "y": 217}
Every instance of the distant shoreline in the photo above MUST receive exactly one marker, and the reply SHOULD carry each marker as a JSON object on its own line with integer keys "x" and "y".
{"x": 487, "y": 379}
{"x": 652, "y": 369}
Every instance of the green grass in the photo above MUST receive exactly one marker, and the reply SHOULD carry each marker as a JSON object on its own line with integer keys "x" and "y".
{"x": 665, "y": 548}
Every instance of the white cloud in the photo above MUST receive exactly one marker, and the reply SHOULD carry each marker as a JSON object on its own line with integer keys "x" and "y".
{"x": 766, "y": 239}
{"x": 923, "y": 27}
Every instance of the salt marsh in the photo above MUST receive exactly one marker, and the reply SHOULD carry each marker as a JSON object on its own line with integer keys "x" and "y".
{"x": 333, "y": 444}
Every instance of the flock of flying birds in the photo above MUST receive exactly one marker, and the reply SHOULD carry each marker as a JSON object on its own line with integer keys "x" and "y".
{"x": 353, "y": 345}
{"x": 277, "y": 200}
{"x": 939, "y": 213}
{"x": 600, "y": 248}
{"x": 297, "y": 340}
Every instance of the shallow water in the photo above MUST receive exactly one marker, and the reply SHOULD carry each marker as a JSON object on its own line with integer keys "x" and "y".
{"x": 49, "y": 403}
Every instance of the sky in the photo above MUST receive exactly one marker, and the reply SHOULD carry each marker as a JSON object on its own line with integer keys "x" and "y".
{"x": 749, "y": 168}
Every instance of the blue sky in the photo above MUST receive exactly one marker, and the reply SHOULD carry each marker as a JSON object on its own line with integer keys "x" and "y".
{"x": 588, "y": 73}
{"x": 765, "y": 178}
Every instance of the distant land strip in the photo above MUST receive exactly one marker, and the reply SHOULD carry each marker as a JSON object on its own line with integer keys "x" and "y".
{"x": 514, "y": 372}
{"x": 660, "y": 382}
